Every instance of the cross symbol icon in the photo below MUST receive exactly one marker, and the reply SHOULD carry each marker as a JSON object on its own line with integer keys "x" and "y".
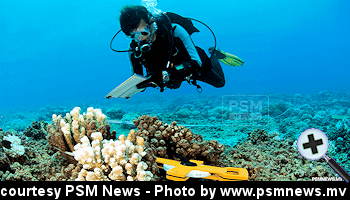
{"x": 312, "y": 144}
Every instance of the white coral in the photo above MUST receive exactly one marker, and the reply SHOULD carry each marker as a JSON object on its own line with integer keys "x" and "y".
{"x": 73, "y": 124}
{"x": 75, "y": 113}
{"x": 122, "y": 158}
{"x": 17, "y": 149}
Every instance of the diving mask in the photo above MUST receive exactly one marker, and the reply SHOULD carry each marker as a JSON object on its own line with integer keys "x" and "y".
{"x": 139, "y": 35}
{"x": 148, "y": 31}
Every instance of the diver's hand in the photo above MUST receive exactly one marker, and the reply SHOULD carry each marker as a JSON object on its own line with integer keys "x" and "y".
{"x": 188, "y": 78}
{"x": 145, "y": 84}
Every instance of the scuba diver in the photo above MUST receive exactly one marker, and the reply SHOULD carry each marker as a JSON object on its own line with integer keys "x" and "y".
{"x": 162, "y": 45}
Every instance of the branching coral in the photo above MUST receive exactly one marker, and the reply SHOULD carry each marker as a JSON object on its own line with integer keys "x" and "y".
{"x": 120, "y": 159}
{"x": 87, "y": 136}
{"x": 65, "y": 132}
{"x": 98, "y": 156}
{"x": 172, "y": 141}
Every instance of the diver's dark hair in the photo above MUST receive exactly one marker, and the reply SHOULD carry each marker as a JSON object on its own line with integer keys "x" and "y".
{"x": 131, "y": 16}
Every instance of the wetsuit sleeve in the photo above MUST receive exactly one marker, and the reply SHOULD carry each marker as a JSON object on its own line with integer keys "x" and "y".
{"x": 186, "y": 39}
{"x": 136, "y": 66}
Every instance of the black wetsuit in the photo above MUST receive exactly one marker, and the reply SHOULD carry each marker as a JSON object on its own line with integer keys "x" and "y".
{"x": 165, "y": 49}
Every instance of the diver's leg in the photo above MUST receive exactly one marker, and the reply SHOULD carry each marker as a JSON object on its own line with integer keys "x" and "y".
{"x": 211, "y": 71}
{"x": 216, "y": 70}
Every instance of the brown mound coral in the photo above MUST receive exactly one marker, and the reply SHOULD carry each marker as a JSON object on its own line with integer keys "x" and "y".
{"x": 176, "y": 142}
{"x": 266, "y": 158}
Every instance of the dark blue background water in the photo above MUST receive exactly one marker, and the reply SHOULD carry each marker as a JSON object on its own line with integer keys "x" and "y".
{"x": 56, "y": 52}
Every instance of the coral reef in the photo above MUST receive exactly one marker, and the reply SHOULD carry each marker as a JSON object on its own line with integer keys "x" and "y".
{"x": 276, "y": 110}
{"x": 176, "y": 142}
{"x": 266, "y": 158}
{"x": 268, "y": 153}
{"x": 115, "y": 113}
{"x": 131, "y": 157}
{"x": 37, "y": 162}
{"x": 65, "y": 132}
{"x": 12, "y": 146}
{"x": 98, "y": 155}
{"x": 340, "y": 136}
{"x": 112, "y": 159}
{"x": 37, "y": 130}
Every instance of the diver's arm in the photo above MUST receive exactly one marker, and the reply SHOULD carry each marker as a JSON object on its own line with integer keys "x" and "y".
{"x": 136, "y": 65}
{"x": 186, "y": 39}
{"x": 137, "y": 68}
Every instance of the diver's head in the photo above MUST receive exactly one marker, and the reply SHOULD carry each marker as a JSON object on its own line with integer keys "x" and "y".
{"x": 135, "y": 21}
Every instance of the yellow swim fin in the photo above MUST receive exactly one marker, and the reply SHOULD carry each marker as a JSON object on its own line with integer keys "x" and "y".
{"x": 227, "y": 58}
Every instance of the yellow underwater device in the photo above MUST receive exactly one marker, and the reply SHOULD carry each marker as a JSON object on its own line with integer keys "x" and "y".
{"x": 182, "y": 171}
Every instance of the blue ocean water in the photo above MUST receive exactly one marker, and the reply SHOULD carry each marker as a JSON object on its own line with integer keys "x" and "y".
{"x": 54, "y": 55}
{"x": 56, "y": 52}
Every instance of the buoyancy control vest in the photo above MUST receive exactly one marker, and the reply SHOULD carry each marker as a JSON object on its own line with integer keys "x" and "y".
{"x": 166, "y": 48}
